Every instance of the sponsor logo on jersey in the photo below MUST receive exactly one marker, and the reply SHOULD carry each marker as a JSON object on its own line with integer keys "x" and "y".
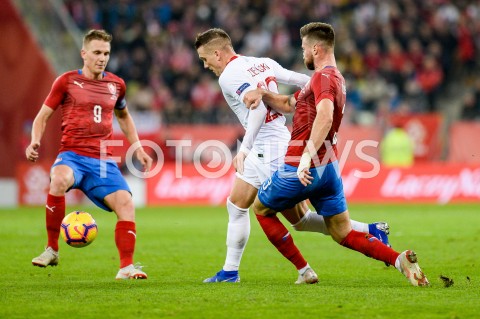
{"x": 78, "y": 83}
{"x": 242, "y": 88}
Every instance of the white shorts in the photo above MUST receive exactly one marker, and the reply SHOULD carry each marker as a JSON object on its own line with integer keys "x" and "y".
{"x": 259, "y": 167}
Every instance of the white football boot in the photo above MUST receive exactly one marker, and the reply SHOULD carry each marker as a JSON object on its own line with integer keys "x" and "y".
{"x": 308, "y": 277}
{"x": 131, "y": 272}
{"x": 48, "y": 258}
{"x": 407, "y": 264}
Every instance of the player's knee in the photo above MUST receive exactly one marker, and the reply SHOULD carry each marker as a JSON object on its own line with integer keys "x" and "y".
{"x": 122, "y": 204}
{"x": 260, "y": 209}
{"x": 233, "y": 205}
{"x": 125, "y": 211}
{"x": 239, "y": 201}
{"x": 59, "y": 184}
{"x": 235, "y": 212}
{"x": 338, "y": 232}
{"x": 128, "y": 205}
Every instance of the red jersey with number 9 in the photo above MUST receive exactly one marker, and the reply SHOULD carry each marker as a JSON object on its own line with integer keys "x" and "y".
{"x": 87, "y": 110}
{"x": 325, "y": 84}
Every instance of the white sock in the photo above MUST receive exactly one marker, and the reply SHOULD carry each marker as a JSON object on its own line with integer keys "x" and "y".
{"x": 127, "y": 267}
{"x": 397, "y": 263}
{"x": 232, "y": 261}
{"x": 237, "y": 235}
{"x": 304, "y": 269}
{"x": 358, "y": 226}
{"x": 314, "y": 222}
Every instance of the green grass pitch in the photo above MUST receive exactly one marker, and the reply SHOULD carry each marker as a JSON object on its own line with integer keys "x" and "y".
{"x": 180, "y": 246}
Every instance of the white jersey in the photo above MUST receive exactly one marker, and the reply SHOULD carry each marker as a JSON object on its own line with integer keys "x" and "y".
{"x": 264, "y": 127}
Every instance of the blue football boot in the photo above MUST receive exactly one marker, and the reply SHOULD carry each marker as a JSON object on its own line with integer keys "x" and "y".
{"x": 224, "y": 276}
{"x": 380, "y": 230}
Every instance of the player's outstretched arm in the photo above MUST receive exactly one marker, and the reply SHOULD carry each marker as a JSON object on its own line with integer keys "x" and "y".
{"x": 320, "y": 128}
{"x": 279, "y": 102}
{"x": 128, "y": 128}
{"x": 38, "y": 128}
{"x": 289, "y": 77}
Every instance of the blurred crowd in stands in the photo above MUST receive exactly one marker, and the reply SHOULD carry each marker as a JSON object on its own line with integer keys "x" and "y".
{"x": 398, "y": 56}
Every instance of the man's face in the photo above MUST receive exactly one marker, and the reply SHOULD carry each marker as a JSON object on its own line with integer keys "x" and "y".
{"x": 307, "y": 54}
{"x": 210, "y": 60}
{"x": 95, "y": 55}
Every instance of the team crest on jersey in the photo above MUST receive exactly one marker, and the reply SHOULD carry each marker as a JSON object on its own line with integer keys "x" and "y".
{"x": 113, "y": 90}
{"x": 242, "y": 88}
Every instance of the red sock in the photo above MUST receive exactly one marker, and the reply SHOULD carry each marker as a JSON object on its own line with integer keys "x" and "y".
{"x": 125, "y": 235}
{"x": 370, "y": 246}
{"x": 281, "y": 239}
{"x": 54, "y": 214}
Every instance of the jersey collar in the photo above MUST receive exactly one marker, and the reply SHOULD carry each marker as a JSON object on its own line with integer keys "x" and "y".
{"x": 104, "y": 74}
{"x": 232, "y": 58}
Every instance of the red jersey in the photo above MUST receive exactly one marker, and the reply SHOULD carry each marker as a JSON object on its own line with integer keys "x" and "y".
{"x": 87, "y": 110}
{"x": 325, "y": 84}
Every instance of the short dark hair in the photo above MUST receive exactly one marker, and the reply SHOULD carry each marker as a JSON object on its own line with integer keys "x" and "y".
{"x": 215, "y": 34}
{"x": 319, "y": 31}
{"x": 97, "y": 35}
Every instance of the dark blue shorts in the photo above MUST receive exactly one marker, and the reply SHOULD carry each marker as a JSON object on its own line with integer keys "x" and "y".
{"x": 96, "y": 178}
{"x": 284, "y": 190}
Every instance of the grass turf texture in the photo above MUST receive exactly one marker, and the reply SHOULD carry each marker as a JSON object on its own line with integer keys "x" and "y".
{"x": 180, "y": 247}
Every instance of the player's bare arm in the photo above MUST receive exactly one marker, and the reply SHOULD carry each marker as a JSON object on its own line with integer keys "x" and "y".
{"x": 38, "y": 128}
{"x": 128, "y": 128}
{"x": 321, "y": 126}
{"x": 279, "y": 102}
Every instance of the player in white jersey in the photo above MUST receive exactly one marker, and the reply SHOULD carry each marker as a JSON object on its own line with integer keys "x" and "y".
{"x": 261, "y": 153}
{"x": 266, "y": 136}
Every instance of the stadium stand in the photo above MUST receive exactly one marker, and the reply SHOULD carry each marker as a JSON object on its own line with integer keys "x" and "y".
{"x": 404, "y": 60}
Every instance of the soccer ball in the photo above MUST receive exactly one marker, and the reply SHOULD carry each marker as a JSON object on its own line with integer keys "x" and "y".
{"x": 78, "y": 229}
